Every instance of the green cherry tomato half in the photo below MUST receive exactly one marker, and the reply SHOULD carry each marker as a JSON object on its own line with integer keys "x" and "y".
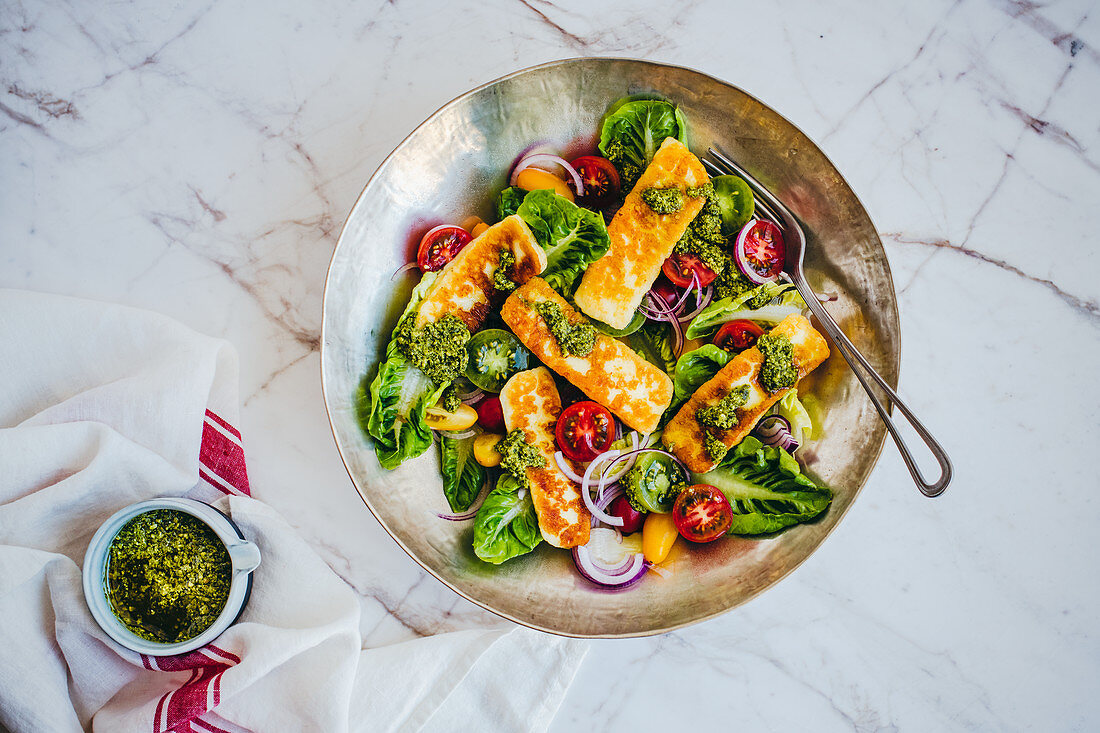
{"x": 735, "y": 202}
{"x": 495, "y": 355}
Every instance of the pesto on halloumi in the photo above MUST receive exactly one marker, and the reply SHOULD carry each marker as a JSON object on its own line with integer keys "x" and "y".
{"x": 530, "y": 402}
{"x": 611, "y": 374}
{"x": 684, "y": 435}
{"x": 465, "y": 287}
{"x": 641, "y": 239}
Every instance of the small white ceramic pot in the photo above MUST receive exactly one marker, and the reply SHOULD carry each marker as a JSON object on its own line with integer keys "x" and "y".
{"x": 244, "y": 555}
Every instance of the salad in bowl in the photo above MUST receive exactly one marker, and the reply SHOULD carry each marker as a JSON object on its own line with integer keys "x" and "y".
{"x": 609, "y": 364}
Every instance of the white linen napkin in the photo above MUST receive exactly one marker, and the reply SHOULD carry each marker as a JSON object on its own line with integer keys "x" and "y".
{"x": 102, "y": 406}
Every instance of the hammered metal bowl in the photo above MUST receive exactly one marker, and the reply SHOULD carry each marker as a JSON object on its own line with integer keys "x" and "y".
{"x": 449, "y": 168}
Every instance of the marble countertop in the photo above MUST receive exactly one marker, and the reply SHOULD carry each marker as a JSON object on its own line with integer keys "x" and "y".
{"x": 199, "y": 161}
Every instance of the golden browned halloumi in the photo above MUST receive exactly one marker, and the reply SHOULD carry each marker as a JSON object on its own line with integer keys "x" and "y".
{"x": 685, "y": 437}
{"x": 641, "y": 239}
{"x": 530, "y": 403}
{"x": 612, "y": 374}
{"x": 464, "y": 286}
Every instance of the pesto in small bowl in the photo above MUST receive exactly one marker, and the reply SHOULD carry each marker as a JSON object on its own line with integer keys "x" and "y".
{"x": 168, "y": 575}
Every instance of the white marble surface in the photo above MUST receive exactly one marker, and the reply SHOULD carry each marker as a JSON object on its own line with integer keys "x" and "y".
{"x": 199, "y": 161}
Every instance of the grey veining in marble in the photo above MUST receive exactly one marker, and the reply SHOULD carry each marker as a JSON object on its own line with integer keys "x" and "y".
{"x": 198, "y": 159}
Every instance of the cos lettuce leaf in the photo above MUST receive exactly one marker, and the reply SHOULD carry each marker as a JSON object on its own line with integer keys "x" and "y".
{"x": 392, "y": 409}
{"x": 653, "y": 342}
{"x": 506, "y": 525}
{"x": 633, "y": 130}
{"x": 766, "y": 489}
{"x": 508, "y": 202}
{"x": 694, "y": 369}
{"x": 572, "y": 236}
{"x": 751, "y": 305}
{"x": 791, "y": 408}
{"x": 463, "y": 476}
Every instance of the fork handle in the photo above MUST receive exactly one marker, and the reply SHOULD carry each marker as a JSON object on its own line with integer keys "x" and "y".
{"x": 856, "y": 360}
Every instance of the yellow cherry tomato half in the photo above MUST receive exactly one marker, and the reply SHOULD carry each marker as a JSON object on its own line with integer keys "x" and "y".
{"x": 485, "y": 449}
{"x": 659, "y": 533}
{"x": 439, "y": 419}
{"x": 534, "y": 179}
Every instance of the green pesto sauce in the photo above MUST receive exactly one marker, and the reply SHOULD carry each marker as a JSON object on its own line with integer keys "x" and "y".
{"x": 703, "y": 237}
{"x": 715, "y": 448}
{"x": 761, "y": 299}
{"x": 450, "y": 399}
{"x": 576, "y": 339}
{"x": 732, "y": 284}
{"x": 516, "y": 454}
{"x": 502, "y": 279}
{"x": 622, "y": 159}
{"x": 724, "y": 414}
{"x": 438, "y": 349}
{"x": 663, "y": 200}
{"x": 778, "y": 371}
{"x": 168, "y": 576}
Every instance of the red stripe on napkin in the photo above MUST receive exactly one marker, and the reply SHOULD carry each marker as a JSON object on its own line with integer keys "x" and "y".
{"x": 181, "y": 707}
{"x": 222, "y": 455}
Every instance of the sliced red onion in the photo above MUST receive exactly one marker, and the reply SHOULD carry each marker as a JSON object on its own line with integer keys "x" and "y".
{"x": 401, "y": 270}
{"x": 662, "y": 572}
{"x": 471, "y": 397}
{"x": 472, "y": 511}
{"x": 775, "y": 431}
{"x": 564, "y": 467}
{"x": 700, "y": 304}
{"x": 640, "y": 451}
{"x": 827, "y": 297}
{"x": 543, "y": 158}
{"x": 586, "y": 493}
{"x": 603, "y": 572}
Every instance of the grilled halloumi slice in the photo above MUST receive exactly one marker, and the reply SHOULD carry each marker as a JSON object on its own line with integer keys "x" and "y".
{"x": 612, "y": 374}
{"x": 685, "y": 437}
{"x": 464, "y": 286}
{"x": 530, "y": 403}
{"x": 641, "y": 239}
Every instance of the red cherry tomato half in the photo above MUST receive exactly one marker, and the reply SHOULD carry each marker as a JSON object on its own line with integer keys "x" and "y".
{"x": 490, "y": 415}
{"x": 585, "y": 430}
{"x": 632, "y": 518}
{"x": 760, "y": 246}
{"x": 600, "y": 179}
{"x": 702, "y": 513}
{"x": 738, "y": 335}
{"x": 681, "y": 265}
{"x": 439, "y": 246}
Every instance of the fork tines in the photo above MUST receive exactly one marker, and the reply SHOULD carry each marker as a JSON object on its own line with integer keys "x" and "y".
{"x": 722, "y": 165}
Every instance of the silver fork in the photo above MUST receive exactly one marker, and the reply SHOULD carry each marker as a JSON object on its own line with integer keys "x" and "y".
{"x": 771, "y": 208}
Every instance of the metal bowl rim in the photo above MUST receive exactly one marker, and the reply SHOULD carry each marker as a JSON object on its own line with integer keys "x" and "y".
{"x": 881, "y": 429}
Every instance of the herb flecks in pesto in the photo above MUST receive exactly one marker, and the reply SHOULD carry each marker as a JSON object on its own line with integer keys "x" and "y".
{"x": 516, "y": 454}
{"x": 663, "y": 200}
{"x": 703, "y": 237}
{"x": 502, "y": 278}
{"x": 778, "y": 370}
{"x": 438, "y": 349}
{"x": 450, "y": 399}
{"x": 715, "y": 448}
{"x": 724, "y": 414}
{"x": 762, "y": 298}
{"x": 577, "y": 339}
{"x": 168, "y": 576}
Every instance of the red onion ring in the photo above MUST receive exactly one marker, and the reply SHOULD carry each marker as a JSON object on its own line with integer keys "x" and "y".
{"x": 401, "y": 270}
{"x": 565, "y": 468}
{"x": 536, "y": 158}
{"x": 586, "y": 493}
{"x": 471, "y": 397}
{"x": 700, "y": 304}
{"x": 472, "y": 511}
{"x": 656, "y": 304}
{"x": 460, "y": 434}
{"x": 775, "y": 431}
{"x": 621, "y": 576}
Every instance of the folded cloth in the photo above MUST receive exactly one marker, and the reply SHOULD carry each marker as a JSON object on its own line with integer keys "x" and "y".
{"x": 102, "y": 406}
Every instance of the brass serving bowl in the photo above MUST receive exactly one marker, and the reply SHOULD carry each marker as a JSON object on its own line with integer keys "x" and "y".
{"x": 449, "y": 168}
